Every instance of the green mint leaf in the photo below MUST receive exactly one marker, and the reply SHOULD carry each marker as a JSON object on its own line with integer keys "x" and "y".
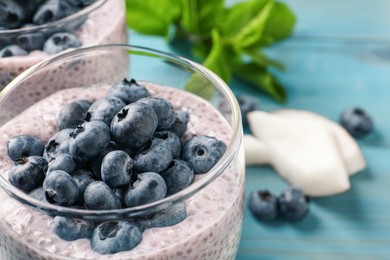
{"x": 258, "y": 57}
{"x": 152, "y": 17}
{"x": 260, "y": 78}
{"x": 253, "y": 29}
{"x": 237, "y": 16}
{"x": 215, "y": 61}
{"x": 200, "y": 16}
{"x": 200, "y": 86}
{"x": 279, "y": 26}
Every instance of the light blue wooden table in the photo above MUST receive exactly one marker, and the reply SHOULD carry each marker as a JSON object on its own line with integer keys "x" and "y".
{"x": 338, "y": 57}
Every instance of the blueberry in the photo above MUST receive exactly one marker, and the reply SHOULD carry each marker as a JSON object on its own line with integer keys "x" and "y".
{"x": 247, "y": 104}
{"x": 70, "y": 229}
{"x": 164, "y": 111}
{"x": 59, "y": 42}
{"x": 180, "y": 124}
{"x": 134, "y": 125}
{"x": 128, "y": 91}
{"x": 104, "y": 109}
{"x": 115, "y": 236}
{"x": 31, "y": 41}
{"x": 11, "y": 14}
{"x": 60, "y": 188}
{"x": 73, "y": 114}
{"x": 99, "y": 196}
{"x": 164, "y": 218}
{"x": 357, "y": 122}
{"x": 28, "y": 173}
{"x": 96, "y": 163}
{"x": 117, "y": 167}
{"x": 263, "y": 205}
{"x": 154, "y": 156}
{"x": 12, "y": 50}
{"x": 58, "y": 144}
{"x": 148, "y": 187}
{"x": 203, "y": 152}
{"x": 82, "y": 178}
{"x": 52, "y": 10}
{"x": 24, "y": 146}
{"x": 88, "y": 140}
{"x": 293, "y": 204}
{"x": 177, "y": 176}
{"x": 63, "y": 162}
{"x": 30, "y": 7}
{"x": 38, "y": 194}
{"x": 172, "y": 139}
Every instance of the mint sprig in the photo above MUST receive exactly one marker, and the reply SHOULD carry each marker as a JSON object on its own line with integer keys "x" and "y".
{"x": 228, "y": 40}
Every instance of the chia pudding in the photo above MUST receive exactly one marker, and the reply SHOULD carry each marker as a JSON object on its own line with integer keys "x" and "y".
{"x": 211, "y": 229}
{"x": 105, "y": 25}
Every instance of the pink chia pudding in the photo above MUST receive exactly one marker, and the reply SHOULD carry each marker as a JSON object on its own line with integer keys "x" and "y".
{"x": 211, "y": 229}
{"x": 105, "y": 25}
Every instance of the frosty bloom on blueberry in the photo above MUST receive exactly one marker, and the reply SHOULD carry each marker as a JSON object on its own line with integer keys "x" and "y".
{"x": 121, "y": 150}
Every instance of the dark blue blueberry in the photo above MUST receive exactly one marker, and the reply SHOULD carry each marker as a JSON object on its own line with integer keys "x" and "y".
{"x": 117, "y": 167}
{"x": 247, "y": 104}
{"x": 164, "y": 111}
{"x": 172, "y": 139}
{"x": 177, "y": 176}
{"x": 164, "y": 218}
{"x": 59, "y": 42}
{"x": 148, "y": 187}
{"x": 73, "y": 114}
{"x": 82, "y": 178}
{"x": 154, "y": 156}
{"x": 88, "y": 140}
{"x": 24, "y": 146}
{"x": 31, "y": 41}
{"x": 70, "y": 229}
{"x": 30, "y": 7}
{"x": 63, "y": 162}
{"x": 357, "y": 122}
{"x": 104, "y": 109}
{"x": 99, "y": 196}
{"x": 263, "y": 205}
{"x": 115, "y": 236}
{"x": 181, "y": 121}
{"x": 293, "y": 204}
{"x": 60, "y": 188}
{"x": 96, "y": 163}
{"x": 58, "y": 144}
{"x": 134, "y": 125}
{"x": 128, "y": 91}
{"x": 11, "y": 14}
{"x": 53, "y": 10}
{"x": 12, "y": 50}
{"x": 38, "y": 194}
{"x": 203, "y": 152}
{"x": 28, "y": 173}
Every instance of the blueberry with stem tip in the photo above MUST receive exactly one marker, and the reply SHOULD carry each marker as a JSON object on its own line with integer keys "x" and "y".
{"x": 28, "y": 173}
{"x": 115, "y": 236}
{"x": 263, "y": 205}
{"x": 24, "y": 146}
{"x": 60, "y": 188}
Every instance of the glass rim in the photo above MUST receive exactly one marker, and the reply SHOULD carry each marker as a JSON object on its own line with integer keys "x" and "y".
{"x": 85, "y": 11}
{"x": 195, "y": 187}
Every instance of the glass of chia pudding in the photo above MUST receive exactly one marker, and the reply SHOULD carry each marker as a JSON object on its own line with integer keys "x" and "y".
{"x": 120, "y": 152}
{"x": 31, "y": 31}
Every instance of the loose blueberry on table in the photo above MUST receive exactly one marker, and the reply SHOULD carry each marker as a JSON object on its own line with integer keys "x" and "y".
{"x": 16, "y": 14}
{"x": 122, "y": 150}
{"x": 357, "y": 122}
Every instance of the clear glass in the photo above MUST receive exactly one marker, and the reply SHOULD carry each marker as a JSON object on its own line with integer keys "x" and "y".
{"x": 90, "y": 25}
{"x": 214, "y": 202}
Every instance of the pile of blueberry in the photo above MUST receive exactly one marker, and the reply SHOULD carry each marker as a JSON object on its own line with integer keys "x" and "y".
{"x": 123, "y": 150}
{"x": 16, "y": 14}
{"x": 292, "y": 205}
